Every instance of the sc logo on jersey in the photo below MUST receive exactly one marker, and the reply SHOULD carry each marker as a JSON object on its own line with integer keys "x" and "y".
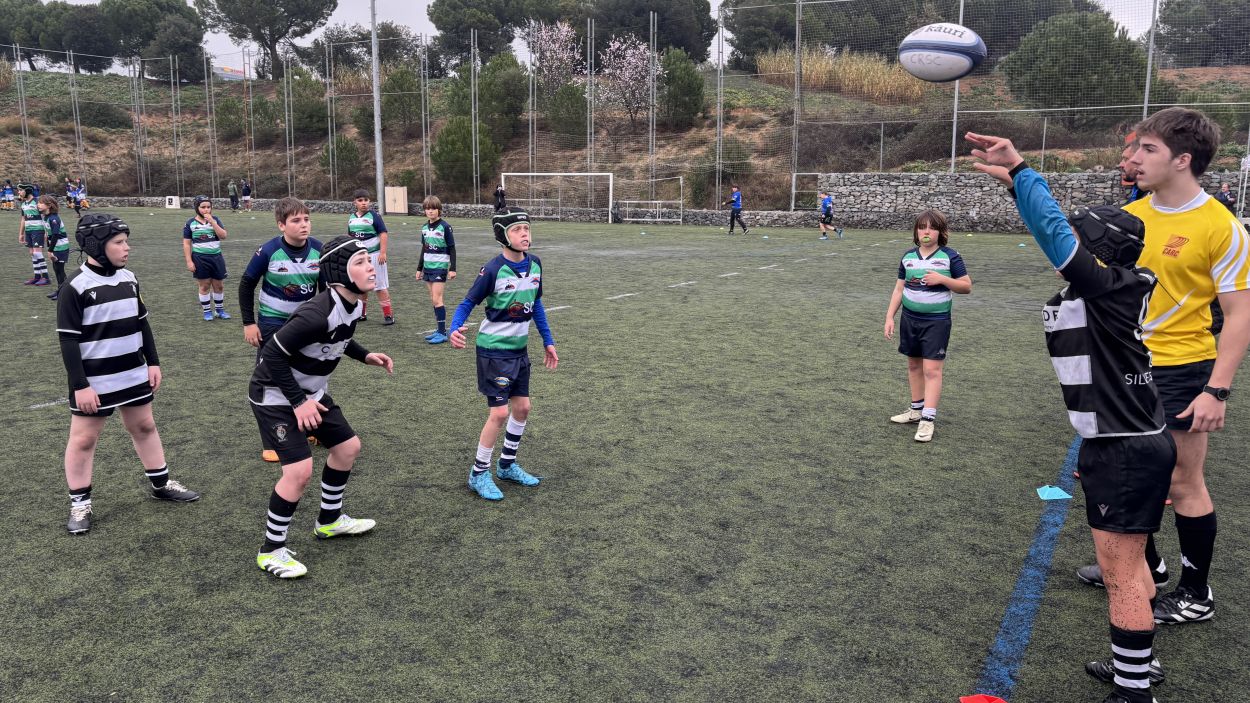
{"x": 291, "y": 290}
{"x": 520, "y": 309}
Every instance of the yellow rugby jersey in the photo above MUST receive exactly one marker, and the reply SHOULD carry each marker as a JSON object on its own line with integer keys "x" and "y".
{"x": 1197, "y": 251}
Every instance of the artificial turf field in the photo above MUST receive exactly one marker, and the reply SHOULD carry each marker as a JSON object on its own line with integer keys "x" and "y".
{"x": 726, "y": 513}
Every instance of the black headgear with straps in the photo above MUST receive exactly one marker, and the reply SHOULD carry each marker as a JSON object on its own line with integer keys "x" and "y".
{"x": 334, "y": 259}
{"x": 195, "y": 204}
{"x": 1114, "y": 236}
{"x": 94, "y": 231}
{"x": 506, "y": 219}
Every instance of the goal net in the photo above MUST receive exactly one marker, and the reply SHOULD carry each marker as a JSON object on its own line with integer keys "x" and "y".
{"x": 804, "y": 191}
{"x": 555, "y": 196}
{"x": 651, "y": 200}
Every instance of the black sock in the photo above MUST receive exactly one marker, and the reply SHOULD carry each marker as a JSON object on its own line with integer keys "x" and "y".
{"x": 281, "y": 511}
{"x": 80, "y": 496}
{"x": 1153, "y": 560}
{"x": 1132, "y": 649}
{"x": 59, "y": 268}
{"x": 1197, "y": 537}
{"x": 333, "y": 483}
{"x": 440, "y": 314}
{"x": 158, "y": 477}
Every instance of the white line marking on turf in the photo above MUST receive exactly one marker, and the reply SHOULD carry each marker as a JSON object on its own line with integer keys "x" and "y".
{"x": 622, "y": 295}
{"x": 48, "y": 405}
{"x": 877, "y": 244}
{"x": 766, "y": 267}
{"x": 687, "y": 283}
{"x": 727, "y": 275}
{"x": 798, "y": 260}
{"x": 832, "y": 253}
{"x": 559, "y": 307}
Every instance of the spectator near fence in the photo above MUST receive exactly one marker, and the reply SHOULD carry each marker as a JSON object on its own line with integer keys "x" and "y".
{"x": 1227, "y": 198}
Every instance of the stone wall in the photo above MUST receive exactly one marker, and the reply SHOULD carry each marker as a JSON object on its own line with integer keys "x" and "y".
{"x": 973, "y": 202}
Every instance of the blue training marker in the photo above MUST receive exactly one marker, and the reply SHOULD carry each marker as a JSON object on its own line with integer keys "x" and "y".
{"x": 1052, "y": 493}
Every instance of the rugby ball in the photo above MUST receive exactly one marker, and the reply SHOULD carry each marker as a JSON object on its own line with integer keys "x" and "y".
{"x": 941, "y": 52}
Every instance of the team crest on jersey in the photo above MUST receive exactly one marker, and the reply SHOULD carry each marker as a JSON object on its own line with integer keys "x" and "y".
{"x": 517, "y": 310}
{"x": 1174, "y": 244}
{"x": 509, "y": 286}
{"x": 282, "y": 268}
{"x": 279, "y": 431}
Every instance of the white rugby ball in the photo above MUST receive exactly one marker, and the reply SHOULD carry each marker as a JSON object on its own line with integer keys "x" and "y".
{"x": 941, "y": 52}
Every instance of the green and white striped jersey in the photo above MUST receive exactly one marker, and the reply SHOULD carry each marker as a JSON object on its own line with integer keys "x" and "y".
{"x": 929, "y": 301}
{"x": 366, "y": 228}
{"x": 203, "y": 238}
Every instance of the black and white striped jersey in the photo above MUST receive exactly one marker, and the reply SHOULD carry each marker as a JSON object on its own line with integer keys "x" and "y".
{"x": 298, "y": 359}
{"x": 1094, "y": 336}
{"x": 106, "y": 342}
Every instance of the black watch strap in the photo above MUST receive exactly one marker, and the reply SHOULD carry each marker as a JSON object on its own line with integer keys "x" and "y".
{"x": 1219, "y": 393}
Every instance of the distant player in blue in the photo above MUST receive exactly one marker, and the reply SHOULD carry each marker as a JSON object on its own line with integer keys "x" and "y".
{"x": 437, "y": 264}
{"x": 58, "y": 240}
{"x": 8, "y": 195}
{"x": 826, "y": 215}
{"x": 735, "y": 209}
{"x": 511, "y": 286}
{"x": 928, "y": 276}
{"x": 201, "y": 247}
{"x": 286, "y": 268}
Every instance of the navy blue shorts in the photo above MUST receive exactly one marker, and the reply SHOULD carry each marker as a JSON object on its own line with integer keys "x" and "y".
{"x": 924, "y": 338}
{"x": 434, "y": 275}
{"x": 209, "y": 266}
{"x": 280, "y": 431}
{"x": 501, "y": 379}
{"x": 1126, "y": 480}
{"x": 826, "y": 219}
{"x": 1178, "y": 386}
{"x": 62, "y": 256}
{"x": 32, "y": 239}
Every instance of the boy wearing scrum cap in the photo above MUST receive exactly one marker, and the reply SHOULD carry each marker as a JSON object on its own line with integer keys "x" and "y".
{"x": 289, "y": 397}
{"x": 511, "y": 286}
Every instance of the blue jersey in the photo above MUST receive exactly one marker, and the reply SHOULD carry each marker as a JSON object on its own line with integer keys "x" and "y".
{"x": 288, "y": 277}
{"x": 7, "y": 192}
{"x": 512, "y": 291}
{"x": 826, "y": 205}
{"x": 737, "y": 200}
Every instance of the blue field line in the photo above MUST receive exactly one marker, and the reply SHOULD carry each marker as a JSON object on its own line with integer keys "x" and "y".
{"x": 998, "y": 676}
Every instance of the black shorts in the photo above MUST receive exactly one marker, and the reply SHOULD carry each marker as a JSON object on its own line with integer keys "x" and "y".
{"x": 924, "y": 337}
{"x": 105, "y": 412}
{"x": 501, "y": 379}
{"x": 32, "y": 239}
{"x": 1178, "y": 386}
{"x": 280, "y": 431}
{"x": 434, "y": 275}
{"x": 61, "y": 256}
{"x": 209, "y": 267}
{"x": 1126, "y": 480}
{"x": 826, "y": 219}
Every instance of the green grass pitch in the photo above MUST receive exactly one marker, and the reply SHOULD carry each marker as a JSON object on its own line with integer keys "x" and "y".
{"x": 726, "y": 513}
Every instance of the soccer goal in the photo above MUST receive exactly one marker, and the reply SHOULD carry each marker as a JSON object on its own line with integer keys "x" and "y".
{"x": 804, "y": 187}
{"x": 555, "y": 196}
{"x": 660, "y": 200}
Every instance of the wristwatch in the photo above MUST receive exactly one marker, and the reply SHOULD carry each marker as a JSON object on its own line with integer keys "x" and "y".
{"x": 1220, "y": 394}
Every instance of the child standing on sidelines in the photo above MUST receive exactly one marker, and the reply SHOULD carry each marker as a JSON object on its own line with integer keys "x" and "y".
{"x": 366, "y": 226}
{"x": 110, "y": 358}
{"x": 511, "y": 286}
{"x": 437, "y": 264}
{"x": 826, "y": 216}
{"x": 289, "y": 397}
{"x": 927, "y": 276}
{"x": 58, "y": 240}
{"x": 286, "y": 269}
{"x": 7, "y": 194}
{"x": 735, "y": 209}
{"x": 201, "y": 247}
{"x": 33, "y": 236}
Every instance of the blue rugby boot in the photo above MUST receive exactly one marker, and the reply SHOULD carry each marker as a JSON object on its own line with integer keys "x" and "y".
{"x": 437, "y": 338}
{"x": 483, "y": 485}
{"x": 222, "y": 314}
{"x": 513, "y": 472}
{"x": 208, "y": 315}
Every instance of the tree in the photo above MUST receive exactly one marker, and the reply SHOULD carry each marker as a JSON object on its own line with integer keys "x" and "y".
{"x": 1087, "y": 54}
{"x": 14, "y": 13}
{"x": 84, "y": 38}
{"x": 269, "y": 23}
{"x": 134, "y": 23}
{"x": 566, "y": 110}
{"x": 685, "y": 24}
{"x": 755, "y": 29}
{"x": 556, "y": 52}
{"x": 230, "y": 118}
{"x": 401, "y": 100}
{"x": 181, "y": 39}
{"x": 348, "y": 159}
{"x": 308, "y": 104}
{"x": 353, "y": 46}
{"x": 454, "y": 18}
{"x": 1205, "y": 32}
{"x": 681, "y": 99}
{"x": 502, "y": 95}
{"x": 624, "y": 80}
{"x": 452, "y": 154}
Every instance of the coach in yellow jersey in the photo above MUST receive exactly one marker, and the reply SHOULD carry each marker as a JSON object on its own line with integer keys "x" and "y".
{"x": 1200, "y": 252}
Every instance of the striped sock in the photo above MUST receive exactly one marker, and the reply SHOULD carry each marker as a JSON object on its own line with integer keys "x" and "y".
{"x": 219, "y": 301}
{"x": 281, "y": 511}
{"x": 158, "y": 477}
{"x": 80, "y": 496}
{"x": 333, "y": 484}
{"x": 481, "y": 463}
{"x": 205, "y": 303}
{"x": 511, "y": 442}
{"x": 39, "y": 264}
{"x": 440, "y": 315}
{"x": 1132, "y": 652}
{"x": 929, "y": 414}
{"x": 917, "y": 404}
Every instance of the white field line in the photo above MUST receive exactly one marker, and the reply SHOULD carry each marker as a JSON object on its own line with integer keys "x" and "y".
{"x": 766, "y": 267}
{"x": 622, "y": 295}
{"x": 559, "y": 307}
{"x": 48, "y": 405}
{"x": 832, "y": 253}
{"x": 800, "y": 260}
{"x": 686, "y": 283}
{"x": 727, "y": 275}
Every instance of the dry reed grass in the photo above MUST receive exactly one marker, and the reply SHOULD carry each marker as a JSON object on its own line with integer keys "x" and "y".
{"x": 862, "y": 76}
